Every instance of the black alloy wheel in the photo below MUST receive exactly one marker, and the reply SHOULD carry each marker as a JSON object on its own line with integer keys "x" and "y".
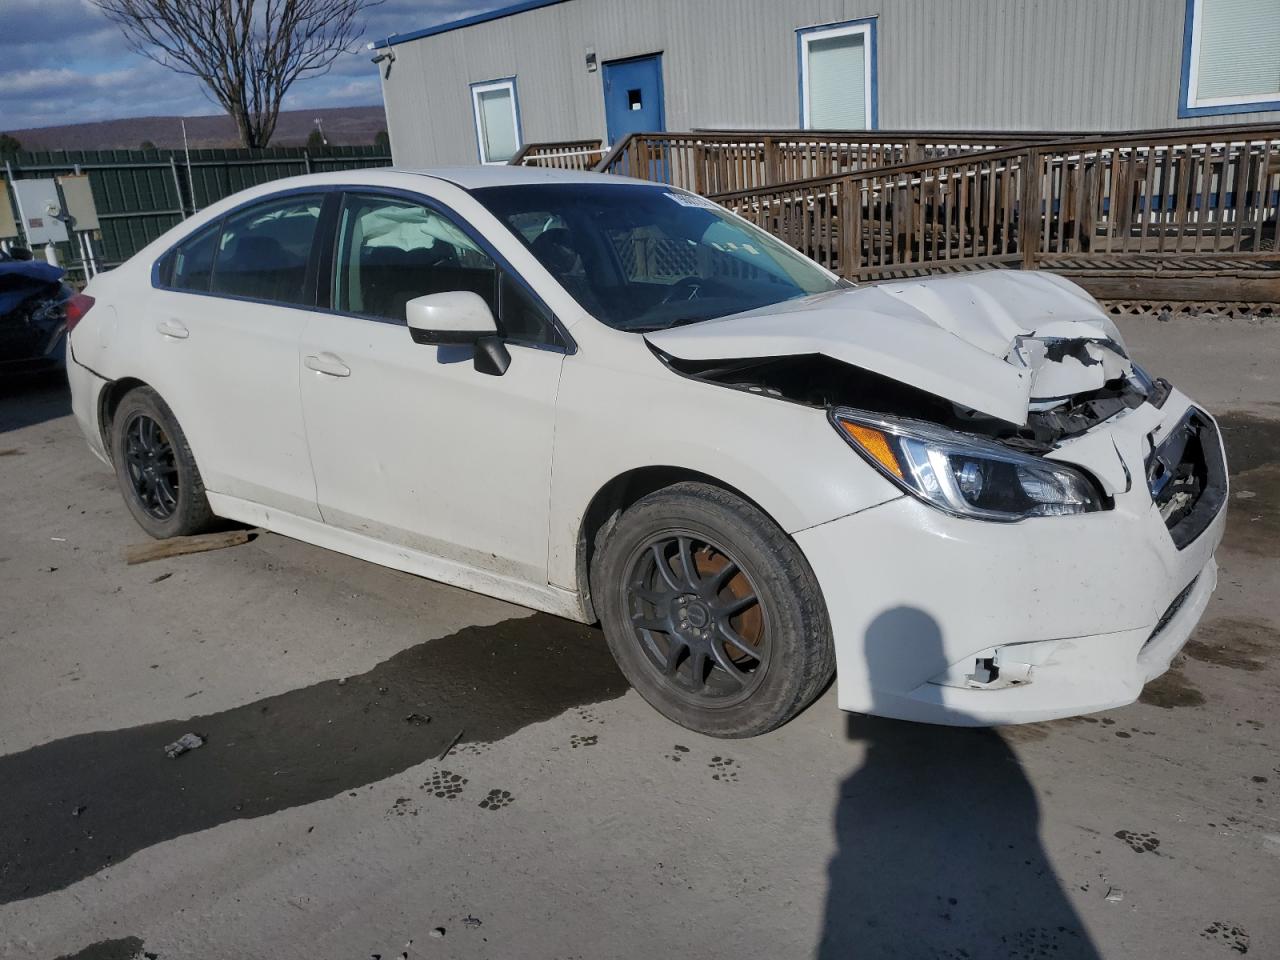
{"x": 155, "y": 469}
{"x": 711, "y": 611}
{"x": 697, "y": 618}
{"x": 152, "y": 466}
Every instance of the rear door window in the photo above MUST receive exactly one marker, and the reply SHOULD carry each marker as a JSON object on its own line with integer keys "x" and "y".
{"x": 264, "y": 251}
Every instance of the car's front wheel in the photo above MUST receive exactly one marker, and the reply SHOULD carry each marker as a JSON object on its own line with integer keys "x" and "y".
{"x": 712, "y": 612}
{"x": 155, "y": 469}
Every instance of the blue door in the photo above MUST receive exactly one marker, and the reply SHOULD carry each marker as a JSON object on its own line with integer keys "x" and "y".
{"x": 633, "y": 96}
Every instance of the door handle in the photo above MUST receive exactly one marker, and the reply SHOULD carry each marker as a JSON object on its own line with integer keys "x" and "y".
{"x": 328, "y": 364}
{"x": 173, "y": 328}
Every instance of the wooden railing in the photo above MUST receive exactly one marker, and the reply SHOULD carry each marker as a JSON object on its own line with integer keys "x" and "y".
{"x": 1191, "y": 205}
{"x": 711, "y": 162}
{"x": 563, "y": 155}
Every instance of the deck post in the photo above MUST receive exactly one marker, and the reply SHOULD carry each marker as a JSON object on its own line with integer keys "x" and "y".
{"x": 772, "y": 175}
{"x": 1029, "y": 212}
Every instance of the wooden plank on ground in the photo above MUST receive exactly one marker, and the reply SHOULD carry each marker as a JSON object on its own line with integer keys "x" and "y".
{"x": 181, "y": 546}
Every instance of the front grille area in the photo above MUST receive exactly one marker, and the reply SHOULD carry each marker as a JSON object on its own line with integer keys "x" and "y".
{"x": 1187, "y": 477}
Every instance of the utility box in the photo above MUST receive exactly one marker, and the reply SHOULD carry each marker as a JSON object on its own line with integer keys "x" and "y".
{"x": 78, "y": 197}
{"x": 38, "y": 205}
{"x": 8, "y": 220}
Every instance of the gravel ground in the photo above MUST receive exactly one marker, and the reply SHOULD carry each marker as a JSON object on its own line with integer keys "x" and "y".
{"x": 570, "y": 820}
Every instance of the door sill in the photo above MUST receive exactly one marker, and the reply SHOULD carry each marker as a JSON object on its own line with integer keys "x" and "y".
{"x": 544, "y": 597}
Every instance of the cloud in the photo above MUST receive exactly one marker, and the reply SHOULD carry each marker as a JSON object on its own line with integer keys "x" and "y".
{"x": 62, "y": 61}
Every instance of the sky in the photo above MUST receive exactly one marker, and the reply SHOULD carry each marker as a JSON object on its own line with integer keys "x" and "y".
{"x": 62, "y": 61}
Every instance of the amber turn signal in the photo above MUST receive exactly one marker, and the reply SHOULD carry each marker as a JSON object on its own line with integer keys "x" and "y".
{"x": 875, "y": 444}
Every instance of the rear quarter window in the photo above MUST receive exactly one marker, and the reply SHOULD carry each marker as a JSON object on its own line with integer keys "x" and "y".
{"x": 189, "y": 266}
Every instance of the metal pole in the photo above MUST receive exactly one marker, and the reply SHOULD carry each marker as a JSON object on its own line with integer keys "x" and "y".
{"x": 177, "y": 186}
{"x": 86, "y": 239}
{"x": 17, "y": 198}
{"x": 84, "y": 257}
{"x": 191, "y": 183}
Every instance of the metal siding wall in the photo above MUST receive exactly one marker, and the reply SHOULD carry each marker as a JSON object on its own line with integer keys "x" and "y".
{"x": 953, "y": 64}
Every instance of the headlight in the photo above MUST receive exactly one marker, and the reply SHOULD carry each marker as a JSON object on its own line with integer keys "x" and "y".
{"x": 965, "y": 475}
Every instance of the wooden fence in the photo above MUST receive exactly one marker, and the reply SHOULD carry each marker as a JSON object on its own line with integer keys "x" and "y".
{"x": 1191, "y": 213}
{"x": 561, "y": 155}
{"x": 711, "y": 162}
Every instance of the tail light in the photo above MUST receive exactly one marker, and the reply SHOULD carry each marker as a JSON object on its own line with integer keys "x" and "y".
{"x": 76, "y": 308}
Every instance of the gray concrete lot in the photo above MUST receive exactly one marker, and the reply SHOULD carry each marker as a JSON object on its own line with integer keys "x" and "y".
{"x": 571, "y": 820}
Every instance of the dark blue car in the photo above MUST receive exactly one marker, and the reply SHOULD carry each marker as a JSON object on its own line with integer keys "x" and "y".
{"x": 33, "y": 322}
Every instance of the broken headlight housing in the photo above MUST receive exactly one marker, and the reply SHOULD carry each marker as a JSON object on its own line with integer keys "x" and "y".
{"x": 965, "y": 475}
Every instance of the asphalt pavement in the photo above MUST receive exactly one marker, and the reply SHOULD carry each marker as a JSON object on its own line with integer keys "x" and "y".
{"x": 566, "y": 818}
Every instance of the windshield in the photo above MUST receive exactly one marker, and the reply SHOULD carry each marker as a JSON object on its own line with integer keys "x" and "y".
{"x": 645, "y": 258}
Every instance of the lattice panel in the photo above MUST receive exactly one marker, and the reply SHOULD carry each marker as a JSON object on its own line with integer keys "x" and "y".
{"x": 1166, "y": 310}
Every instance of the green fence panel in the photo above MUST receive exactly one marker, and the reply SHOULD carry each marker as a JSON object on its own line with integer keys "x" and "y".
{"x": 142, "y": 193}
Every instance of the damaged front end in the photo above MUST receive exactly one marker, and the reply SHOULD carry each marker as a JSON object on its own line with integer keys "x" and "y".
{"x": 1026, "y": 360}
{"x": 820, "y": 381}
{"x": 997, "y": 399}
{"x": 982, "y": 395}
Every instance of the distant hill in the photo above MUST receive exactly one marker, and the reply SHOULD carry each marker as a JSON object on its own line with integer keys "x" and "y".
{"x": 343, "y": 126}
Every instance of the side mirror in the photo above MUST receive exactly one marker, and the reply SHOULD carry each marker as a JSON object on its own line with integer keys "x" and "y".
{"x": 459, "y": 317}
{"x": 456, "y": 317}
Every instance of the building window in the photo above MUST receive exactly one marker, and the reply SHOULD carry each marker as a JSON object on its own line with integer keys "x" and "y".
{"x": 838, "y": 76}
{"x": 1230, "y": 57}
{"x": 497, "y": 119}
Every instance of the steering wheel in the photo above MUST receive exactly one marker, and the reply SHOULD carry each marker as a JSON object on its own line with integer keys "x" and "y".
{"x": 690, "y": 284}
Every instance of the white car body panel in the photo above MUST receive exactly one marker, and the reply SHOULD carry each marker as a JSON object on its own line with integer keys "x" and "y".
{"x": 417, "y": 461}
{"x": 246, "y": 354}
{"x": 416, "y": 449}
{"x": 779, "y": 455}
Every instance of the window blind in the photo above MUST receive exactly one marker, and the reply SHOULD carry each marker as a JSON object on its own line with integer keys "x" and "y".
{"x": 1239, "y": 49}
{"x": 837, "y": 82}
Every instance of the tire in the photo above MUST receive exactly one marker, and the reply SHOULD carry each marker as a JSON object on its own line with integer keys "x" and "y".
{"x": 719, "y": 551}
{"x": 181, "y": 507}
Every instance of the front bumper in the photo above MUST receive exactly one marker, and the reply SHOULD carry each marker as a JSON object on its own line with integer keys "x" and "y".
{"x": 1075, "y": 614}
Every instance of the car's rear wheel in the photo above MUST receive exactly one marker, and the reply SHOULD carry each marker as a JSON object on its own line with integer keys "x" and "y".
{"x": 712, "y": 612}
{"x": 155, "y": 469}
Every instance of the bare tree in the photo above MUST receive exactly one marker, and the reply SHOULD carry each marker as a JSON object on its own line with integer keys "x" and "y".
{"x": 246, "y": 52}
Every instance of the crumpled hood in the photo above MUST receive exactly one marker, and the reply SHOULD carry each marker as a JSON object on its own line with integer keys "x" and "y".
{"x": 998, "y": 342}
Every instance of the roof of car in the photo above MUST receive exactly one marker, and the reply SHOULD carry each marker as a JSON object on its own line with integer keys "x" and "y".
{"x": 502, "y": 175}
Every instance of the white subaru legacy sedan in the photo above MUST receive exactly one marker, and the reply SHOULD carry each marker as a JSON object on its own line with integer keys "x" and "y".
{"x": 614, "y": 401}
